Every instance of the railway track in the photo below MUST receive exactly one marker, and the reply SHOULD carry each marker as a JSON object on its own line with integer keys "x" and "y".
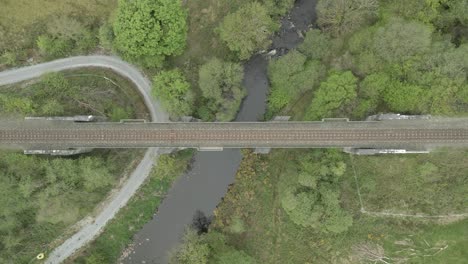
{"x": 62, "y": 135}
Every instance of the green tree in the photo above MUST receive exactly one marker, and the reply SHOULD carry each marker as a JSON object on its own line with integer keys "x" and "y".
{"x": 149, "y": 30}
{"x": 405, "y": 98}
{"x": 94, "y": 173}
{"x": 53, "y": 48}
{"x": 192, "y": 251}
{"x": 247, "y": 30}
{"x": 316, "y": 45}
{"x": 342, "y": 17}
{"x": 398, "y": 40}
{"x": 221, "y": 83}
{"x": 174, "y": 92}
{"x": 315, "y": 203}
{"x": 338, "y": 90}
{"x": 278, "y": 7}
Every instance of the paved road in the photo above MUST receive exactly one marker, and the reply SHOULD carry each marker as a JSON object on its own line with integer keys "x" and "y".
{"x": 114, "y": 63}
{"x": 89, "y": 231}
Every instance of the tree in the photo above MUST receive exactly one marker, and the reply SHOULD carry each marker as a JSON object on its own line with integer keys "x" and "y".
{"x": 338, "y": 90}
{"x": 404, "y": 98}
{"x": 94, "y": 173}
{"x": 192, "y": 250}
{"x": 149, "y": 30}
{"x": 221, "y": 83}
{"x": 53, "y": 48}
{"x": 398, "y": 40}
{"x": 290, "y": 76}
{"x": 174, "y": 92}
{"x": 345, "y": 16}
{"x": 278, "y": 7}
{"x": 315, "y": 203}
{"x": 316, "y": 45}
{"x": 247, "y": 30}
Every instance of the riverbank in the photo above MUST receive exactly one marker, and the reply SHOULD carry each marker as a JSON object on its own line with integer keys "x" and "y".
{"x": 205, "y": 185}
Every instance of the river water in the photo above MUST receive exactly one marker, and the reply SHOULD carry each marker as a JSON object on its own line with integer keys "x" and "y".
{"x": 203, "y": 187}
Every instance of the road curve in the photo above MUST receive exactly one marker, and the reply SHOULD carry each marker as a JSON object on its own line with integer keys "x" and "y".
{"x": 114, "y": 63}
{"x": 119, "y": 199}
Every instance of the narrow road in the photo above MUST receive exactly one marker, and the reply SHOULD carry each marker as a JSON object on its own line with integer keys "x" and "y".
{"x": 119, "y": 199}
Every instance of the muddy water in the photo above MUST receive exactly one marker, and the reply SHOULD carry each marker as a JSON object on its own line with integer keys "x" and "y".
{"x": 203, "y": 187}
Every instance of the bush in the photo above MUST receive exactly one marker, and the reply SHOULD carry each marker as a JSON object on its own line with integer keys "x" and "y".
{"x": 221, "y": 83}
{"x": 342, "y": 17}
{"x": 338, "y": 90}
{"x": 174, "y": 92}
{"x": 148, "y": 30}
{"x": 316, "y": 45}
{"x": 53, "y": 48}
{"x": 294, "y": 74}
{"x": 247, "y": 30}
{"x": 106, "y": 35}
{"x": 399, "y": 39}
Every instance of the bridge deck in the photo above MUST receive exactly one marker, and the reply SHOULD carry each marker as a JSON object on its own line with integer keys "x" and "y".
{"x": 367, "y": 134}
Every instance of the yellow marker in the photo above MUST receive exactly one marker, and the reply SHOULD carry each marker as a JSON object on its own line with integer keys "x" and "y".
{"x": 40, "y": 256}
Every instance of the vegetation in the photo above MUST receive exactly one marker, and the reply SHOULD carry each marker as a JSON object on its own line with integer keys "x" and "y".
{"x": 174, "y": 92}
{"x": 338, "y": 90}
{"x": 221, "y": 86}
{"x": 107, "y": 248}
{"x": 45, "y": 196}
{"x": 55, "y": 28}
{"x": 247, "y": 30}
{"x": 146, "y": 31}
{"x": 302, "y": 206}
{"x": 315, "y": 201}
{"x": 439, "y": 180}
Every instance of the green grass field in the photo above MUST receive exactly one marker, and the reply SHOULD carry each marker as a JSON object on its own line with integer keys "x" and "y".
{"x": 271, "y": 237}
{"x": 432, "y": 184}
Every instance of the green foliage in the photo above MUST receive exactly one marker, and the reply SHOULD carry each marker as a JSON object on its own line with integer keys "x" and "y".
{"x": 315, "y": 203}
{"x": 107, "y": 248}
{"x": 208, "y": 248}
{"x": 221, "y": 83}
{"x": 119, "y": 113}
{"x": 338, "y": 90}
{"x": 53, "y": 48}
{"x": 147, "y": 31}
{"x": 342, "y": 17}
{"x": 247, "y": 30}
{"x": 9, "y": 58}
{"x": 316, "y": 45}
{"x": 235, "y": 257}
{"x": 192, "y": 251}
{"x": 404, "y": 98}
{"x": 106, "y": 35}
{"x": 278, "y": 7}
{"x": 237, "y": 226}
{"x": 398, "y": 40}
{"x": 174, "y": 92}
{"x": 65, "y": 34}
{"x": 290, "y": 76}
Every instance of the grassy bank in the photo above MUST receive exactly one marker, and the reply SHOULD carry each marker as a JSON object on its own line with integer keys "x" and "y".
{"x": 23, "y": 22}
{"x": 271, "y": 237}
{"x": 119, "y": 232}
{"x": 42, "y": 196}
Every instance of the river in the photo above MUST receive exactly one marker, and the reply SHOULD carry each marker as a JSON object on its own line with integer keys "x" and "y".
{"x": 203, "y": 187}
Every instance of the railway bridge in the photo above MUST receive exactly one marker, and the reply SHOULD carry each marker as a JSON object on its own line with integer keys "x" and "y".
{"x": 386, "y": 134}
